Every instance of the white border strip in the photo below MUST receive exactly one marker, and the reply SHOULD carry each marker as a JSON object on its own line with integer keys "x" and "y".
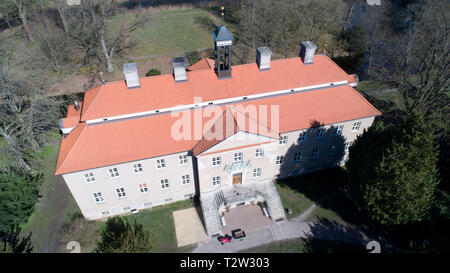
{"x": 223, "y": 101}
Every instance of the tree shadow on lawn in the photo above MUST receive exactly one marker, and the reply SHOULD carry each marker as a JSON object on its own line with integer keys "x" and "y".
{"x": 331, "y": 237}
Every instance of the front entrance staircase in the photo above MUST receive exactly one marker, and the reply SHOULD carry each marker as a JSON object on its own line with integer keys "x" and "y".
{"x": 212, "y": 202}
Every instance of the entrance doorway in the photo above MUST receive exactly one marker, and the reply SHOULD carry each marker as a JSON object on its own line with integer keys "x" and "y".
{"x": 237, "y": 178}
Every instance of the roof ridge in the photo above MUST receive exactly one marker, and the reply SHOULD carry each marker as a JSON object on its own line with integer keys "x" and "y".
{"x": 84, "y": 125}
{"x": 82, "y": 115}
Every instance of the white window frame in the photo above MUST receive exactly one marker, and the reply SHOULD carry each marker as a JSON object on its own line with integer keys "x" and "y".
{"x": 137, "y": 168}
{"x": 279, "y": 160}
{"x": 297, "y": 157}
{"x": 315, "y": 153}
{"x": 185, "y": 179}
{"x": 182, "y": 160}
{"x": 356, "y": 126}
{"x": 160, "y": 163}
{"x": 283, "y": 140}
{"x": 348, "y": 145}
{"x": 143, "y": 188}
{"x": 238, "y": 157}
{"x": 113, "y": 173}
{"x": 165, "y": 184}
{"x": 302, "y": 137}
{"x": 259, "y": 153}
{"x": 216, "y": 181}
{"x": 339, "y": 130}
{"x": 121, "y": 193}
{"x": 332, "y": 150}
{"x": 98, "y": 195}
{"x": 216, "y": 161}
{"x": 257, "y": 172}
{"x": 320, "y": 133}
{"x": 89, "y": 178}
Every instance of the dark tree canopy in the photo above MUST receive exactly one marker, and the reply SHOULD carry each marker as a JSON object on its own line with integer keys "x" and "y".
{"x": 19, "y": 192}
{"x": 119, "y": 236}
{"x": 392, "y": 171}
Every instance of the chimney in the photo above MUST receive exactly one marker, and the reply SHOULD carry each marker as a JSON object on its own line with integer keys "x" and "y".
{"x": 76, "y": 105}
{"x": 307, "y": 51}
{"x": 263, "y": 55}
{"x": 179, "y": 69}
{"x": 131, "y": 75}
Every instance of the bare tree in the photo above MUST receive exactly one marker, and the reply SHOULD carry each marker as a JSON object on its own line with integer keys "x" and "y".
{"x": 25, "y": 110}
{"x": 420, "y": 60}
{"x": 61, "y": 11}
{"x": 97, "y": 13}
{"x": 23, "y": 9}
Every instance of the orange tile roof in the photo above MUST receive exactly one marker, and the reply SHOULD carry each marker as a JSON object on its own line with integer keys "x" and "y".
{"x": 73, "y": 116}
{"x": 205, "y": 63}
{"x": 157, "y": 92}
{"x": 231, "y": 122}
{"x": 88, "y": 147}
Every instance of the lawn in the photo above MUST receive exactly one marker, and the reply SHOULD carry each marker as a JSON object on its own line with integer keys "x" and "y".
{"x": 170, "y": 31}
{"x": 46, "y": 220}
{"x": 307, "y": 246}
{"x": 298, "y": 193}
{"x": 157, "y": 221}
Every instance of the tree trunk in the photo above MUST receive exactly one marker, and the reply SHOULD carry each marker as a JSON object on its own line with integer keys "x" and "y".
{"x": 105, "y": 52}
{"x": 11, "y": 143}
{"x": 23, "y": 17}
{"x": 253, "y": 28}
{"x": 349, "y": 15}
{"x": 62, "y": 15}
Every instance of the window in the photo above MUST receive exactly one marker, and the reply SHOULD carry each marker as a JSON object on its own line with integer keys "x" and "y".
{"x": 160, "y": 163}
{"x": 259, "y": 153}
{"x": 143, "y": 188}
{"x": 113, "y": 172}
{"x": 185, "y": 179}
{"x": 302, "y": 137}
{"x": 237, "y": 157}
{"x": 215, "y": 161}
{"x": 98, "y": 197}
{"x": 279, "y": 160}
{"x": 89, "y": 177}
{"x": 356, "y": 126}
{"x": 257, "y": 172}
{"x": 183, "y": 159}
{"x": 320, "y": 133}
{"x": 137, "y": 168}
{"x": 164, "y": 184}
{"x": 331, "y": 150}
{"x": 347, "y": 145}
{"x": 283, "y": 140}
{"x": 121, "y": 193}
{"x": 339, "y": 130}
{"x": 315, "y": 153}
{"x": 216, "y": 180}
{"x": 297, "y": 157}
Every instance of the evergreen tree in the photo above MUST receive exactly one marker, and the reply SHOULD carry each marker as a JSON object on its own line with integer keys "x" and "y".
{"x": 12, "y": 243}
{"x": 19, "y": 192}
{"x": 119, "y": 236}
{"x": 392, "y": 171}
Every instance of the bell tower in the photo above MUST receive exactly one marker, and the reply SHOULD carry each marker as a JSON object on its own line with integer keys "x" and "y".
{"x": 223, "y": 39}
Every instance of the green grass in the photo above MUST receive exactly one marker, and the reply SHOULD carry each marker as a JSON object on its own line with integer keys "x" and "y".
{"x": 370, "y": 85}
{"x": 169, "y": 31}
{"x": 323, "y": 188}
{"x": 159, "y": 222}
{"x": 44, "y": 220}
{"x": 293, "y": 200}
{"x": 306, "y": 246}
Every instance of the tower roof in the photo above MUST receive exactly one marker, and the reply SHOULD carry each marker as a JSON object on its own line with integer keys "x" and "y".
{"x": 222, "y": 34}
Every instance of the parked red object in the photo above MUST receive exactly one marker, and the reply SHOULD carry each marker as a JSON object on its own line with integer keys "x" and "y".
{"x": 224, "y": 239}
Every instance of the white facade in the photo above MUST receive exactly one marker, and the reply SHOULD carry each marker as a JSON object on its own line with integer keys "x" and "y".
{"x": 256, "y": 166}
